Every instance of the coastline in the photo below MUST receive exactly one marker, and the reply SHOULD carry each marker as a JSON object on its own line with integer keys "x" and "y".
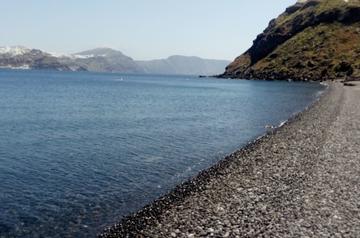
{"x": 259, "y": 189}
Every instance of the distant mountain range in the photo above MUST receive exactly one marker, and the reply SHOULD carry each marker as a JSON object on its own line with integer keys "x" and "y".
{"x": 107, "y": 60}
{"x": 178, "y": 64}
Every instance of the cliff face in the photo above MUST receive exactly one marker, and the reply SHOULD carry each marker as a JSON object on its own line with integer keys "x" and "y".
{"x": 311, "y": 40}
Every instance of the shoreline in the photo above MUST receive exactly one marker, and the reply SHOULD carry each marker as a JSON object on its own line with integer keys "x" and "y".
{"x": 165, "y": 216}
{"x": 132, "y": 224}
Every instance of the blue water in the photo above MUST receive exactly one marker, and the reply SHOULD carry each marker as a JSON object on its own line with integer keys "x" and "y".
{"x": 78, "y": 151}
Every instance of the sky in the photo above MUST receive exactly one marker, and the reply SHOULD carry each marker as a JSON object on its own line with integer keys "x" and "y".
{"x": 142, "y": 29}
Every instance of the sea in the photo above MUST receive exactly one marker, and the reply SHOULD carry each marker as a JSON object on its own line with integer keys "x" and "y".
{"x": 79, "y": 150}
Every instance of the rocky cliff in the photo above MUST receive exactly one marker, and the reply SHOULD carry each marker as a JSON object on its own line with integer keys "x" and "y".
{"x": 311, "y": 40}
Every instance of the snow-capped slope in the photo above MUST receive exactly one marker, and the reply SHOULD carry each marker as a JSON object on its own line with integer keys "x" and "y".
{"x": 14, "y": 50}
{"x": 18, "y": 57}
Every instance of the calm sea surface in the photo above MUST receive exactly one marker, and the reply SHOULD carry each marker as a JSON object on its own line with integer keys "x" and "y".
{"x": 80, "y": 150}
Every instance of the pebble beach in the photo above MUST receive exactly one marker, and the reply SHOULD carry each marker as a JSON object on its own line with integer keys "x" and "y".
{"x": 299, "y": 180}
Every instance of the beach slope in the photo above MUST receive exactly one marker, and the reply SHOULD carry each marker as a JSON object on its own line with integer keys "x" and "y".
{"x": 303, "y": 179}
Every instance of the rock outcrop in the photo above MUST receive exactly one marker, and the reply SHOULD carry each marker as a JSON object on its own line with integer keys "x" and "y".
{"x": 311, "y": 40}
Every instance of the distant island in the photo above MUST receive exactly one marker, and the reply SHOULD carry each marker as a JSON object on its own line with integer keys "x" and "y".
{"x": 311, "y": 40}
{"x": 107, "y": 60}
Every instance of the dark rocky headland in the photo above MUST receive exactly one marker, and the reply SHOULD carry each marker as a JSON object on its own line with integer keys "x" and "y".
{"x": 312, "y": 40}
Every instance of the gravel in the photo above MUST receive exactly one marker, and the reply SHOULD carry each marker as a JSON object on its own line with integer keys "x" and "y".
{"x": 300, "y": 180}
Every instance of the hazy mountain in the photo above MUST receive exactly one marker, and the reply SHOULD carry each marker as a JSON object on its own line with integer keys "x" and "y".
{"x": 107, "y": 60}
{"x": 18, "y": 57}
{"x": 311, "y": 40}
{"x": 188, "y": 65}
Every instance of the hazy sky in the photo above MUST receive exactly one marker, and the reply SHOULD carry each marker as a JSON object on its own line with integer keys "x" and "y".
{"x": 142, "y": 29}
